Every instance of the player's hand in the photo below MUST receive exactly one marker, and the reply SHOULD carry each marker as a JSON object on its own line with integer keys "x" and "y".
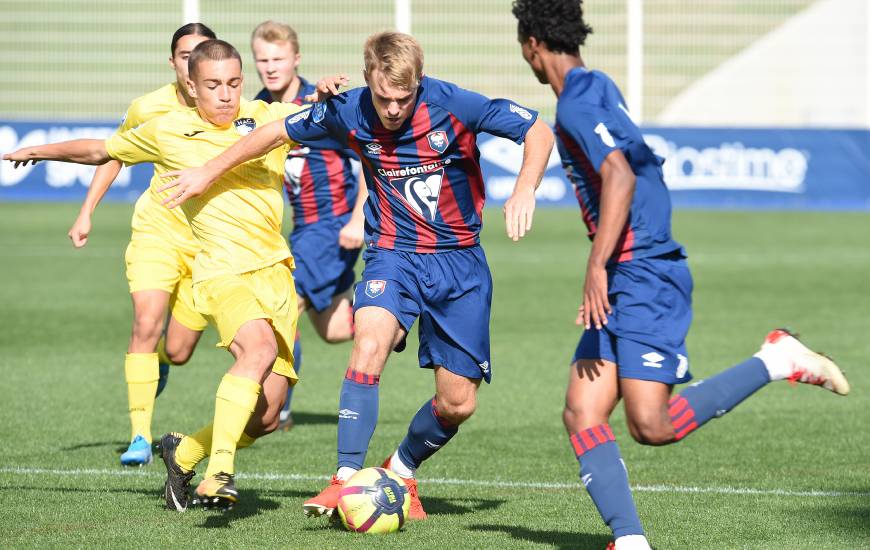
{"x": 352, "y": 234}
{"x": 596, "y": 306}
{"x": 22, "y": 157}
{"x": 518, "y": 212}
{"x": 79, "y": 231}
{"x": 187, "y": 183}
{"x": 327, "y": 87}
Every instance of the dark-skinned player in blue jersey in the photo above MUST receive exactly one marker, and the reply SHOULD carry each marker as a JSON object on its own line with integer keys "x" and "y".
{"x": 416, "y": 138}
{"x": 636, "y": 305}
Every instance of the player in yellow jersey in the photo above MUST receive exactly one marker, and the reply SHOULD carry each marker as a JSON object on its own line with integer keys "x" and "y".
{"x": 242, "y": 275}
{"x": 159, "y": 258}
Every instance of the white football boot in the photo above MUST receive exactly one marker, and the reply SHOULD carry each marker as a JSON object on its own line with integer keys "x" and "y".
{"x": 786, "y": 358}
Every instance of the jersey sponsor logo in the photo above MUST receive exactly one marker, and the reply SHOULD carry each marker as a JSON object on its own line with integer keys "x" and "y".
{"x": 421, "y": 192}
{"x": 520, "y": 111}
{"x": 375, "y": 288}
{"x": 193, "y": 133}
{"x": 244, "y": 126}
{"x": 653, "y": 359}
{"x": 604, "y": 134}
{"x": 683, "y": 366}
{"x": 438, "y": 141}
{"x": 293, "y": 119}
{"x": 413, "y": 170}
{"x": 374, "y": 148}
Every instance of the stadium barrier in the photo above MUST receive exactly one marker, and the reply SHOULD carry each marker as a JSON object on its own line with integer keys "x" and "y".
{"x": 722, "y": 168}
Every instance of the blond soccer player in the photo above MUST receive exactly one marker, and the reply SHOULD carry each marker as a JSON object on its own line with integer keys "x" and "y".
{"x": 242, "y": 274}
{"x": 158, "y": 259}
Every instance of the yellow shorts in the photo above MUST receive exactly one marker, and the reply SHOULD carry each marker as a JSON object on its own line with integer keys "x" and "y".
{"x": 268, "y": 293}
{"x": 153, "y": 265}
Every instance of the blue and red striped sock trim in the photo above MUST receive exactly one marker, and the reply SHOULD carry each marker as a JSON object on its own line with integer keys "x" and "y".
{"x": 682, "y": 417}
{"x": 360, "y": 378}
{"x": 586, "y": 440}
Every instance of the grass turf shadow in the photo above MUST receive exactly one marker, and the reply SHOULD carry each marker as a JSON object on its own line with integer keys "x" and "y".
{"x": 562, "y": 540}
{"x": 250, "y": 505}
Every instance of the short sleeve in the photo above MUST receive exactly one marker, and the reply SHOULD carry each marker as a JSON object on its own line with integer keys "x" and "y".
{"x": 136, "y": 145}
{"x": 596, "y": 131}
{"x": 317, "y": 126}
{"x": 499, "y": 117}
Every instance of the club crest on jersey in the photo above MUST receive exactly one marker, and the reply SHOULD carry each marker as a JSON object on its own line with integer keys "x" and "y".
{"x": 438, "y": 141}
{"x": 421, "y": 192}
{"x": 375, "y": 288}
{"x": 244, "y": 126}
{"x": 374, "y": 148}
{"x": 319, "y": 111}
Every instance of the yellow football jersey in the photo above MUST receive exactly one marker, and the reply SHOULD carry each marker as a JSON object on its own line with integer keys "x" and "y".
{"x": 238, "y": 220}
{"x": 152, "y": 220}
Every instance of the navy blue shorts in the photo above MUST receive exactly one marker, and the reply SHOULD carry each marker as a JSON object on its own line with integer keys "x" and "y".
{"x": 323, "y": 268}
{"x": 645, "y": 336}
{"x": 450, "y": 292}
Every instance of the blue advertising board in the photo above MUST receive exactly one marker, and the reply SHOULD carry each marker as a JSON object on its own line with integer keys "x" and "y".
{"x": 736, "y": 168}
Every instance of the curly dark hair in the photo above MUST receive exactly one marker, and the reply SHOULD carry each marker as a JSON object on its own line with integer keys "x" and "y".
{"x": 557, "y": 23}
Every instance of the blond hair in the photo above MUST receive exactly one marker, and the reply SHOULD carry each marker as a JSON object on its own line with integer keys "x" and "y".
{"x": 397, "y": 56}
{"x": 272, "y": 31}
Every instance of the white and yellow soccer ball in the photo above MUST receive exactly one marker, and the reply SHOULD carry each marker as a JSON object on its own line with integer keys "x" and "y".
{"x": 374, "y": 500}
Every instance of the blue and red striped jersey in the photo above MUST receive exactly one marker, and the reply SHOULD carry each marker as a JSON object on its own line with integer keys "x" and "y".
{"x": 320, "y": 183}
{"x": 591, "y": 123}
{"x": 425, "y": 186}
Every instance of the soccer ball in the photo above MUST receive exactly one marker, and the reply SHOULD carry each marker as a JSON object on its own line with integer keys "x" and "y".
{"x": 374, "y": 500}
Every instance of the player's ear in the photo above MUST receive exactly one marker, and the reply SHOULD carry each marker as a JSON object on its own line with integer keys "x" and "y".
{"x": 191, "y": 89}
{"x": 297, "y": 60}
{"x": 366, "y": 77}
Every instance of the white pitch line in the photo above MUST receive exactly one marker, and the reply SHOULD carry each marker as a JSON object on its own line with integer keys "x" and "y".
{"x": 465, "y": 482}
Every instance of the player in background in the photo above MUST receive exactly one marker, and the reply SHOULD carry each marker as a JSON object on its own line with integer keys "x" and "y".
{"x": 242, "y": 275}
{"x": 637, "y": 294}
{"x": 327, "y": 207}
{"x": 416, "y": 139}
{"x": 158, "y": 258}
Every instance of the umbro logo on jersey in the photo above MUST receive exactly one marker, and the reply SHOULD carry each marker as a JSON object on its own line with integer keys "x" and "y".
{"x": 484, "y": 367}
{"x": 604, "y": 134}
{"x": 374, "y": 148}
{"x": 438, "y": 141}
{"x": 193, "y": 133}
{"x": 299, "y": 116}
{"x": 375, "y": 288}
{"x": 244, "y": 126}
{"x": 520, "y": 111}
{"x": 653, "y": 359}
{"x": 421, "y": 192}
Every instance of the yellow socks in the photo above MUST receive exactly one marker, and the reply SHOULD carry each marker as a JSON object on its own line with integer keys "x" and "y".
{"x": 235, "y": 401}
{"x": 142, "y": 373}
{"x": 193, "y": 448}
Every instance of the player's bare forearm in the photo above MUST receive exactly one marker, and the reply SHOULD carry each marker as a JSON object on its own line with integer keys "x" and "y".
{"x": 193, "y": 182}
{"x": 104, "y": 177}
{"x": 520, "y": 207}
{"x": 80, "y": 151}
{"x": 617, "y": 191}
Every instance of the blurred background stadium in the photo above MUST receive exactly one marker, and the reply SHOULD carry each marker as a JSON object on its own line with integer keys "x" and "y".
{"x": 87, "y": 59}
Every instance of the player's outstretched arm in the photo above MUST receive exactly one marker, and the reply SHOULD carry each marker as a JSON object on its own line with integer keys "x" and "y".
{"x": 81, "y": 151}
{"x": 193, "y": 182}
{"x": 520, "y": 207}
{"x": 617, "y": 190}
{"x": 100, "y": 183}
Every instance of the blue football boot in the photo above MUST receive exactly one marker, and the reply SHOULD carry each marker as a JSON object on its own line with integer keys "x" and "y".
{"x": 138, "y": 453}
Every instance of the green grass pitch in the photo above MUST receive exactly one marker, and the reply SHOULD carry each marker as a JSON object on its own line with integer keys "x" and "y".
{"x": 786, "y": 469}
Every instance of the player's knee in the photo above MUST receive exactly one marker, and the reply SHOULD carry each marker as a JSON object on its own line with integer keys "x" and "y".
{"x": 336, "y": 335}
{"x": 650, "y": 429}
{"x": 455, "y": 412}
{"x": 147, "y": 326}
{"x": 260, "y": 355}
{"x": 365, "y": 354}
{"x": 577, "y": 417}
{"x": 178, "y": 354}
